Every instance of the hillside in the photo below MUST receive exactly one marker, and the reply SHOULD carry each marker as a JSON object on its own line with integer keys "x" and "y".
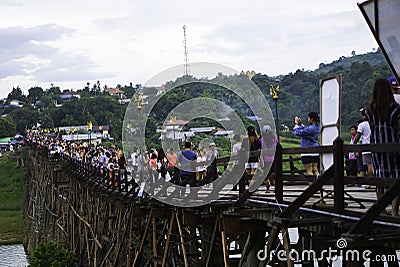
{"x": 300, "y": 90}
{"x": 298, "y": 96}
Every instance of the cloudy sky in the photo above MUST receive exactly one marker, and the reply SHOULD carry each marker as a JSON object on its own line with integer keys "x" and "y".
{"x": 70, "y": 43}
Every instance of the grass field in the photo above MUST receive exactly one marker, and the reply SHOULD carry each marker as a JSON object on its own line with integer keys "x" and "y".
{"x": 11, "y": 199}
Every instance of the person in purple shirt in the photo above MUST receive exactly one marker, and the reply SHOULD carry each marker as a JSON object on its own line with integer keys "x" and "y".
{"x": 309, "y": 137}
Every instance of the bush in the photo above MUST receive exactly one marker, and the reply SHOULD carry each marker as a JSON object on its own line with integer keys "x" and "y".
{"x": 51, "y": 254}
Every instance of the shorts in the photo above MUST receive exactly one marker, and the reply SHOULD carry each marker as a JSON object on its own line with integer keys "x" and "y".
{"x": 309, "y": 159}
{"x": 251, "y": 165}
{"x": 367, "y": 159}
{"x": 360, "y": 166}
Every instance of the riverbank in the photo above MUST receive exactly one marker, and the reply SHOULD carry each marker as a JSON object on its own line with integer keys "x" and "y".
{"x": 11, "y": 199}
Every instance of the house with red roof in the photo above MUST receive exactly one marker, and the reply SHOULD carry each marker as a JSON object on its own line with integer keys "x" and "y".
{"x": 115, "y": 92}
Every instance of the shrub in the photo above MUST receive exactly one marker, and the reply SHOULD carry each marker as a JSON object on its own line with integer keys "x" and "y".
{"x": 51, "y": 254}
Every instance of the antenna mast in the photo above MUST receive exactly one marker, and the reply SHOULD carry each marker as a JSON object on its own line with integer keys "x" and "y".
{"x": 187, "y": 69}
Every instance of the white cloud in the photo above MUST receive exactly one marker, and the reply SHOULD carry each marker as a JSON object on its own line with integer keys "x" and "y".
{"x": 72, "y": 42}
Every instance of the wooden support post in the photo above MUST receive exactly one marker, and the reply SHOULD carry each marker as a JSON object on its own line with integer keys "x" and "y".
{"x": 87, "y": 224}
{"x": 286, "y": 245}
{"x": 272, "y": 240}
{"x": 210, "y": 248}
{"x": 171, "y": 225}
{"x": 182, "y": 240}
{"x": 154, "y": 242}
{"x": 246, "y": 248}
{"x": 278, "y": 174}
{"x": 128, "y": 262}
{"x": 143, "y": 238}
{"x": 338, "y": 159}
{"x": 223, "y": 238}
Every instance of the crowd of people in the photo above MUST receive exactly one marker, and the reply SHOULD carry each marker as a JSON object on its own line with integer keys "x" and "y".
{"x": 380, "y": 123}
{"x": 108, "y": 160}
{"x": 155, "y": 164}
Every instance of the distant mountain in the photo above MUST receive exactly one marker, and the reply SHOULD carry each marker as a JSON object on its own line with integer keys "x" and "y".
{"x": 299, "y": 92}
{"x": 373, "y": 58}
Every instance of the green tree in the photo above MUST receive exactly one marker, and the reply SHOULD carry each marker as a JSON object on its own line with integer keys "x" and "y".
{"x": 16, "y": 94}
{"x": 47, "y": 120}
{"x": 69, "y": 120}
{"x": 25, "y": 117}
{"x": 53, "y": 91}
{"x": 35, "y": 93}
{"x": 7, "y": 127}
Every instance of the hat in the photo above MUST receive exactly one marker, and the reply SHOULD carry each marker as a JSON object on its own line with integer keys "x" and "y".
{"x": 212, "y": 144}
{"x": 393, "y": 82}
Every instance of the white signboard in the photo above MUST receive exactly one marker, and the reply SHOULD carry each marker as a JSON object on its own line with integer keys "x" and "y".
{"x": 330, "y": 94}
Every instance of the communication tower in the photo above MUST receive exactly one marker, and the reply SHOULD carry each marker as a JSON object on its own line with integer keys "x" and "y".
{"x": 186, "y": 66}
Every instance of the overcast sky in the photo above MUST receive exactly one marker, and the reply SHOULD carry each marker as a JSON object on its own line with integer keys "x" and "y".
{"x": 70, "y": 43}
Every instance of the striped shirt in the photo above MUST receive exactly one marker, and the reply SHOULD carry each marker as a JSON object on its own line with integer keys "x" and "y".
{"x": 386, "y": 164}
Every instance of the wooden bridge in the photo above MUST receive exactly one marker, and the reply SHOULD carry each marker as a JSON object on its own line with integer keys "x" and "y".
{"x": 108, "y": 224}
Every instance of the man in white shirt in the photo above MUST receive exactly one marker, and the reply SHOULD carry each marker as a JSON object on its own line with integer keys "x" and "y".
{"x": 395, "y": 87}
{"x": 364, "y": 131}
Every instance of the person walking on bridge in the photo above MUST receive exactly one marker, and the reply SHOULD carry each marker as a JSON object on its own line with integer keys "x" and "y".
{"x": 383, "y": 115}
{"x": 187, "y": 173}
